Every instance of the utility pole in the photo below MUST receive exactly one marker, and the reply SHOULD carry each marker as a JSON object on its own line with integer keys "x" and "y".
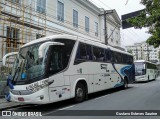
{"x": 136, "y": 53}
{"x": 105, "y": 24}
{"x": 105, "y": 28}
{"x": 141, "y": 53}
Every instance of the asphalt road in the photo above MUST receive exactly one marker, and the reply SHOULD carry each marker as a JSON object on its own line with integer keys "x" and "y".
{"x": 139, "y": 96}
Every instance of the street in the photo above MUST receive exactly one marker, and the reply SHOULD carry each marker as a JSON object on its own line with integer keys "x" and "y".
{"x": 139, "y": 96}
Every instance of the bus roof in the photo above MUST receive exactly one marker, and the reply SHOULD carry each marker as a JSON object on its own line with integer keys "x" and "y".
{"x": 72, "y": 37}
{"x": 143, "y": 61}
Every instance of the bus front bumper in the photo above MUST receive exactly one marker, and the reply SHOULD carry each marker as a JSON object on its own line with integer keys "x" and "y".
{"x": 39, "y": 97}
{"x": 140, "y": 78}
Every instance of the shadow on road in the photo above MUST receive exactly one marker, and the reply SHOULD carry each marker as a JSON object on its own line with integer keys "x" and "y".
{"x": 141, "y": 82}
{"x": 58, "y": 105}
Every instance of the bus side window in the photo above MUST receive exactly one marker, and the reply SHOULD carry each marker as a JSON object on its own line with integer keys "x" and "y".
{"x": 115, "y": 57}
{"x": 98, "y": 54}
{"x": 129, "y": 59}
{"x": 107, "y": 55}
{"x": 81, "y": 52}
{"x": 112, "y": 57}
{"x": 123, "y": 58}
{"x": 89, "y": 52}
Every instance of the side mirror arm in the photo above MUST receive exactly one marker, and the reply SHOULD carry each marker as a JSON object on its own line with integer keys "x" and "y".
{"x": 8, "y": 55}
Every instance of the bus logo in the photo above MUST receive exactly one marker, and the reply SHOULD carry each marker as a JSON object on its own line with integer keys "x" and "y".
{"x": 6, "y": 113}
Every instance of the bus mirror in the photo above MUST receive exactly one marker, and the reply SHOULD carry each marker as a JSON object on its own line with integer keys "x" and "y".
{"x": 8, "y": 55}
{"x": 144, "y": 71}
{"x": 44, "y": 46}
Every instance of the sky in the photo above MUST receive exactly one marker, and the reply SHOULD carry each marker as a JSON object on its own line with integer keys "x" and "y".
{"x": 131, "y": 35}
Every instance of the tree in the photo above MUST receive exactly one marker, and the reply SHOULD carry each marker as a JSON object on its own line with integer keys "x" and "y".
{"x": 159, "y": 55}
{"x": 129, "y": 51}
{"x": 150, "y": 18}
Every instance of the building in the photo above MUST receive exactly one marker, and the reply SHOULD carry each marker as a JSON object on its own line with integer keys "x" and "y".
{"x": 24, "y": 20}
{"x": 143, "y": 51}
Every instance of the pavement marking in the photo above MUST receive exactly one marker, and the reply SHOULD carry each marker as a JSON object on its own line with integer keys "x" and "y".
{"x": 66, "y": 107}
{"x": 50, "y": 112}
{"x": 101, "y": 97}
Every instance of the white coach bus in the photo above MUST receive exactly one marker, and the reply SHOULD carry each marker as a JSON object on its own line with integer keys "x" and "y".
{"x": 145, "y": 70}
{"x": 61, "y": 67}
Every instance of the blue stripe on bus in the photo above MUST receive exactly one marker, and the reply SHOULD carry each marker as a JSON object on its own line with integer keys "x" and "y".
{"x": 125, "y": 68}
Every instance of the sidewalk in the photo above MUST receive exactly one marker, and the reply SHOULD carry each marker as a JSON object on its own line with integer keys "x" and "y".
{"x": 5, "y": 105}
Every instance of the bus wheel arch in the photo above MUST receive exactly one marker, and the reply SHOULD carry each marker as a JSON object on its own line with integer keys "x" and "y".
{"x": 80, "y": 90}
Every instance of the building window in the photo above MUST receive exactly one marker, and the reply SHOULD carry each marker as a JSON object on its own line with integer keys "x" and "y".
{"x": 41, "y": 6}
{"x": 117, "y": 42}
{"x": 96, "y": 29}
{"x": 15, "y": 1}
{"x": 75, "y": 18}
{"x": 86, "y": 24}
{"x": 12, "y": 39}
{"x": 111, "y": 40}
{"x": 60, "y": 11}
{"x": 39, "y": 36}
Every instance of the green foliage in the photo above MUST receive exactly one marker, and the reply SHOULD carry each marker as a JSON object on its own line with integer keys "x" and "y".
{"x": 159, "y": 55}
{"x": 129, "y": 51}
{"x": 150, "y": 18}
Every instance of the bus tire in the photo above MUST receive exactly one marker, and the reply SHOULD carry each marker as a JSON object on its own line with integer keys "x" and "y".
{"x": 148, "y": 78}
{"x": 80, "y": 92}
{"x": 125, "y": 85}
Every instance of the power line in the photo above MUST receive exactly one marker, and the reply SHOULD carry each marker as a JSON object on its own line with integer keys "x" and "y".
{"x": 136, "y": 34}
{"x": 105, "y": 5}
{"x": 126, "y": 2}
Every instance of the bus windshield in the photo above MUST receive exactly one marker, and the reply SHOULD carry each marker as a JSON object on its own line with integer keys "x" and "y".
{"x": 27, "y": 64}
{"x": 139, "y": 68}
{"x": 29, "y": 68}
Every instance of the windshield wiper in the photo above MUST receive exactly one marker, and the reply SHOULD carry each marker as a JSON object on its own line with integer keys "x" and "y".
{"x": 22, "y": 56}
{"x": 17, "y": 70}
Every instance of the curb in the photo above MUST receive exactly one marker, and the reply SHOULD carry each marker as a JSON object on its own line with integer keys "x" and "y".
{"x": 2, "y": 96}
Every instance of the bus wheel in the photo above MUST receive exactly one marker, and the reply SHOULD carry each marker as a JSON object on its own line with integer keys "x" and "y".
{"x": 125, "y": 85}
{"x": 79, "y": 93}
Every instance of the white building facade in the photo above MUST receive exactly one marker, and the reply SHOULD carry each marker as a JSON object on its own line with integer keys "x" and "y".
{"x": 31, "y": 19}
{"x": 143, "y": 51}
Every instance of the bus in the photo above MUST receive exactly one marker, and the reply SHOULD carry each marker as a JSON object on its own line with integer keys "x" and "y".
{"x": 61, "y": 67}
{"x": 145, "y": 70}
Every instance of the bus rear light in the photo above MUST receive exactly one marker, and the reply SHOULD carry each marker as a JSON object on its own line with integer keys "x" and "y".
{"x": 21, "y": 99}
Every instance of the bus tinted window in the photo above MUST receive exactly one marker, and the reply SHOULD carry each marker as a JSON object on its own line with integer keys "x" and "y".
{"x": 84, "y": 53}
{"x": 81, "y": 53}
{"x": 98, "y": 54}
{"x": 118, "y": 57}
{"x": 124, "y": 58}
{"x": 151, "y": 66}
{"x": 108, "y": 56}
{"x": 89, "y": 52}
{"x": 60, "y": 55}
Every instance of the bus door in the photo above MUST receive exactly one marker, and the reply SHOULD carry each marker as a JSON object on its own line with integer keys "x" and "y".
{"x": 55, "y": 66}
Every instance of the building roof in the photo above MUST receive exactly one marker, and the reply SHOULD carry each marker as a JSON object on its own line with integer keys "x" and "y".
{"x": 99, "y": 11}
